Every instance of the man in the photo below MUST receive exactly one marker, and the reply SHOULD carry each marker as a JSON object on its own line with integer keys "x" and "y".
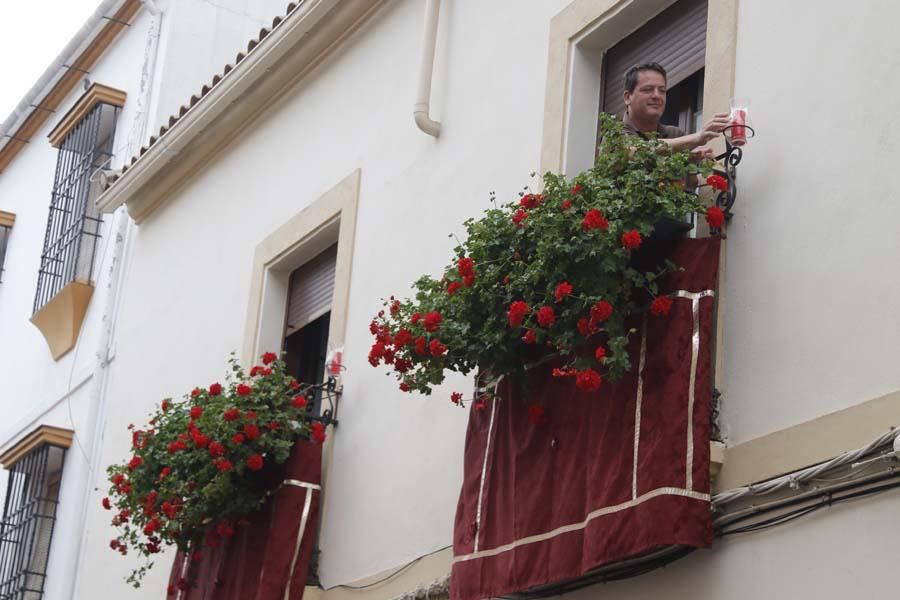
{"x": 645, "y": 101}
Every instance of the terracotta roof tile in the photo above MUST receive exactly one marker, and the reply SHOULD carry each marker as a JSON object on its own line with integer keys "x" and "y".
{"x": 206, "y": 88}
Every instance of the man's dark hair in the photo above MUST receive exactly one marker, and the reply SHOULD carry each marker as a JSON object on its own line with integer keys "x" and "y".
{"x": 631, "y": 76}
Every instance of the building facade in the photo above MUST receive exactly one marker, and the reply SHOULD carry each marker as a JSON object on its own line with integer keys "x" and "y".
{"x": 321, "y": 152}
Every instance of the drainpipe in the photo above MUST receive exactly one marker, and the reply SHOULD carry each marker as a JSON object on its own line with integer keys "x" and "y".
{"x": 423, "y": 99}
{"x": 98, "y": 400}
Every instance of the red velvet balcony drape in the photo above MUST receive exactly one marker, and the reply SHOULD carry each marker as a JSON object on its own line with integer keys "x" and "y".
{"x": 268, "y": 556}
{"x": 607, "y": 476}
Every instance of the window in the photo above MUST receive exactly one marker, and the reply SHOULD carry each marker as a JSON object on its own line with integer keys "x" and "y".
{"x": 29, "y": 515}
{"x": 6, "y": 223}
{"x": 70, "y": 242}
{"x": 308, "y": 316}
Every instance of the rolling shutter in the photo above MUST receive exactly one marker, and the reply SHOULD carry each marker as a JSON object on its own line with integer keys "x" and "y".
{"x": 312, "y": 287}
{"x": 676, "y": 39}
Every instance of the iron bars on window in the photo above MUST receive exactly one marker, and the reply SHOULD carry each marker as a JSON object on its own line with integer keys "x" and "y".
{"x": 29, "y": 515}
{"x": 73, "y": 226}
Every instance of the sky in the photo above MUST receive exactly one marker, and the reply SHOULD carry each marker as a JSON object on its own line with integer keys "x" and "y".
{"x": 32, "y": 34}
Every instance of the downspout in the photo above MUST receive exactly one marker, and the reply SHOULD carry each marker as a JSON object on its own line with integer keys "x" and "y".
{"x": 98, "y": 400}
{"x": 423, "y": 98}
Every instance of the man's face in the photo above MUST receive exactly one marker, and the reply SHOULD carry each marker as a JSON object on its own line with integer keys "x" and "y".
{"x": 648, "y": 101}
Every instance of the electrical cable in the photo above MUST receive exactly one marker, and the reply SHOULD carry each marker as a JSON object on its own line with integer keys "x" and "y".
{"x": 387, "y": 577}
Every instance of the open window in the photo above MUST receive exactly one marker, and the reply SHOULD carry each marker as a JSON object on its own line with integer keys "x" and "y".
{"x": 673, "y": 36}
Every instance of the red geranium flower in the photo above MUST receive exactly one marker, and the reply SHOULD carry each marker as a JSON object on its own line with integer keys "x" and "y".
{"x": 196, "y": 412}
{"x": 403, "y": 337}
{"x": 456, "y": 398}
{"x": 404, "y": 387}
{"x": 566, "y": 205}
{"x": 243, "y": 389}
{"x": 269, "y": 357}
{"x": 454, "y": 285}
{"x": 164, "y": 473}
{"x": 402, "y": 365}
{"x": 395, "y": 307}
{"x": 135, "y": 462}
{"x": 601, "y": 311}
{"x": 594, "y": 219}
{"x": 238, "y": 438}
{"x": 421, "y": 346}
{"x": 300, "y": 401}
{"x": 576, "y": 189}
{"x": 536, "y": 414}
{"x": 517, "y": 313}
{"x": 256, "y": 370}
{"x": 600, "y": 353}
{"x": 661, "y": 306}
{"x": 631, "y": 239}
{"x": 465, "y": 266}
{"x": 546, "y": 317}
{"x": 433, "y": 321}
{"x": 223, "y": 465}
{"x": 216, "y": 449}
{"x": 200, "y": 440}
{"x": 294, "y": 384}
{"x": 717, "y": 182}
{"x": 415, "y": 318}
{"x": 563, "y": 290}
{"x": 437, "y": 348}
{"x": 715, "y": 217}
{"x": 530, "y": 201}
{"x": 468, "y": 280}
{"x": 588, "y": 380}
{"x": 273, "y": 425}
{"x": 255, "y": 462}
{"x": 106, "y": 504}
{"x": 317, "y": 431}
{"x": 195, "y": 392}
{"x": 519, "y": 216}
{"x": 165, "y": 405}
{"x": 215, "y": 389}
{"x": 251, "y": 431}
{"x": 529, "y": 337}
{"x": 231, "y": 414}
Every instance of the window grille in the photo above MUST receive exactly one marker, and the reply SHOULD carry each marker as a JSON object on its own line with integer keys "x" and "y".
{"x": 73, "y": 226}
{"x": 29, "y": 514}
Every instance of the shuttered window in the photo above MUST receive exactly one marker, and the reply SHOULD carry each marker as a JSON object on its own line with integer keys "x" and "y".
{"x": 312, "y": 287}
{"x": 676, "y": 39}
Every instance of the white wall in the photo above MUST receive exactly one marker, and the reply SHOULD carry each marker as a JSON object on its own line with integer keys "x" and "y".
{"x": 812, "y": 324}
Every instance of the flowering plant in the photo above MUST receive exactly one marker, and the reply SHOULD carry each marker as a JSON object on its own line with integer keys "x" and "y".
{"x": 549, "y": 275}
{"x": 195, "y": 468}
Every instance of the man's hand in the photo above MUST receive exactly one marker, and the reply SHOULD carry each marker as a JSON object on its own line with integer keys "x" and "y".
{"x": 713, "y": 127}
{"x": 698, "y": 155}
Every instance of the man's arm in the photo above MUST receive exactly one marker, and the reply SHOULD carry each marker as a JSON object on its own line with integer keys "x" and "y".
{"x": 711, "y": 129}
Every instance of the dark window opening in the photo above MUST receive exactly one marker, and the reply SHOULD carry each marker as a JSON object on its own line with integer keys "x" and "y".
{"x": 305, "y": 353}
{"x": 29, "y": 515}
{"x": 70, "y": 242}
{"x": 684, "y": 104}
{"x": 4, "y": 240}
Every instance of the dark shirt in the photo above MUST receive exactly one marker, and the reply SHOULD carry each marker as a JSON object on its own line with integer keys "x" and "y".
{"x": 662, "y": 131}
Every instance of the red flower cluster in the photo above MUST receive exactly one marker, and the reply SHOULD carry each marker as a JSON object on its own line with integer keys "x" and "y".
{"x": 594, "y": 219}
{"x": 456, "y": 398}
{"x": 715, "y": 217}
{"x": 518, "y": 310}
{"x": 717, "y": 182}
{"x": 588, "y": 380}
{"x": 562, "y": 290}
{"x": 529, "y": 337}
{"x": 317, "y": 431}
{"x": 530, "y": 201}
{"x": 519, "y": 217}
{"x": 631, "y": 239}
{"x": 433, "y": 321}
{"x": 255, "y": 462}
{"x": 661, "y": 306}
{"x": 576, "y": 189}
{"x": 454, "y": 285}
{"x": 546, "y": 317}
{"x": 215, "y": 389}
{"x": 243, "y": 389}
